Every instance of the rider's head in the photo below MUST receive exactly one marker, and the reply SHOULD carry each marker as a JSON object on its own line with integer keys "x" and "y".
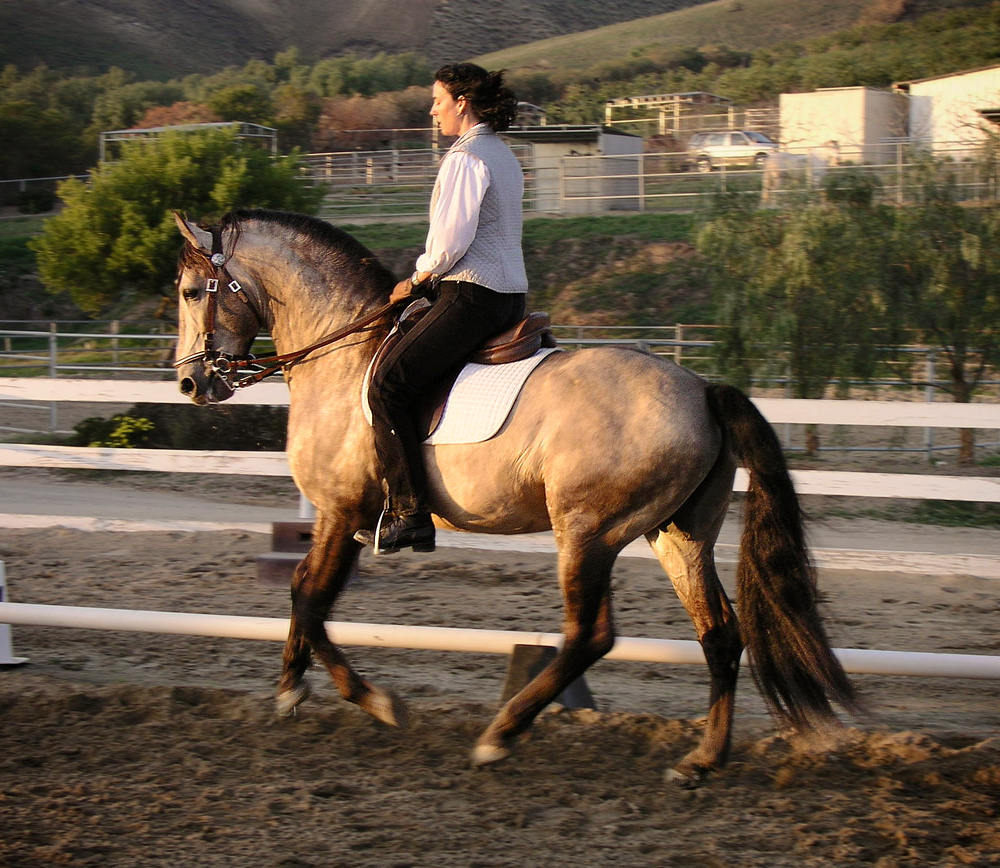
{"x": 483, "y": 91}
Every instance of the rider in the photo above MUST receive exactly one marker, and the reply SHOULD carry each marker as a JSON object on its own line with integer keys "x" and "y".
{"x": 472, "y": 271}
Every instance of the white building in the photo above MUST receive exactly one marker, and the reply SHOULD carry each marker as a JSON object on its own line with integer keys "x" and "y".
{"x": 863, "y": 121}
{"x": 580, "y": 169}
{"x": 948, "y": 113}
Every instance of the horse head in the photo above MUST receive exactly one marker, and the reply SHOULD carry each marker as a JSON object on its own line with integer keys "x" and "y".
{"x": 217, "y": 320}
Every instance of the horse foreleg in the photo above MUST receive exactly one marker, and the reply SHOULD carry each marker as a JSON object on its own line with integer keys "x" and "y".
{"x": 588, "y": 631}
{"x": 318, "y": 581}
{"x": 690, "y": 564}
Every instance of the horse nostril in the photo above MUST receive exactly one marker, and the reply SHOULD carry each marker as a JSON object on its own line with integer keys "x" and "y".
{"x": 187, "y": 386}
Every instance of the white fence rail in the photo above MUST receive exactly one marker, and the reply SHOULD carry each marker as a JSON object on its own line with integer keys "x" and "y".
{"x": 776, "y": 410}
{"x": 676, "y": 651}
{"x": 487, "y": 641}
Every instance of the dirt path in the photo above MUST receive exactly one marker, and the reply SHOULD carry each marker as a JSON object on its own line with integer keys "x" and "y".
{"x": 124, "y": 750}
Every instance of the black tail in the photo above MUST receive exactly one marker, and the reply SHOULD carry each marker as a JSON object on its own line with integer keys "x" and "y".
{"x": 791, "y": 659}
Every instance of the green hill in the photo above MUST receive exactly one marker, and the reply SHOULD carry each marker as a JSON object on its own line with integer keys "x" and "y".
{"x": 741, "y": 25}
{"x": 166, "y": 40}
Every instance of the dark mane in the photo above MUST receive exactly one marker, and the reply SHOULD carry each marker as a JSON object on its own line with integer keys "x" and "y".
{"x": 352, "y": 260}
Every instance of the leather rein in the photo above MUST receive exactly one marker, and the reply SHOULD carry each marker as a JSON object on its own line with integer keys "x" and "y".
{"x": 226, "y": 365}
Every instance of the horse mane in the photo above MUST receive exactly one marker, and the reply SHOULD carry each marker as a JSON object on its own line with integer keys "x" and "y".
{"x": 345, "y": 258}
{"x": 341, "y": 252}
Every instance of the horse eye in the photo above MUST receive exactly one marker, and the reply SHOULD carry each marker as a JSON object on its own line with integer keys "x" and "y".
{"x": 191, "y": 293}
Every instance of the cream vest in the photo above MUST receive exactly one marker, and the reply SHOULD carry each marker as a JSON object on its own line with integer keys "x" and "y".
{"x": 494, "y": 259}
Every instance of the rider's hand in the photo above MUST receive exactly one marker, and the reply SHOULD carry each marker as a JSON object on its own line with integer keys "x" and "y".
{"x": 402, "y": 291}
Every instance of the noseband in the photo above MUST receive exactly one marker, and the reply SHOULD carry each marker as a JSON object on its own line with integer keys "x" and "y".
{"x": 226, "y": 365}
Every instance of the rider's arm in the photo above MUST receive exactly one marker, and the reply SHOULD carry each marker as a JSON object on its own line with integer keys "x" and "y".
{"x": 463, "y": 181}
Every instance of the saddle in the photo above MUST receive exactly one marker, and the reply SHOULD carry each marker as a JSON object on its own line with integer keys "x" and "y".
{"x": 519, "y": 342}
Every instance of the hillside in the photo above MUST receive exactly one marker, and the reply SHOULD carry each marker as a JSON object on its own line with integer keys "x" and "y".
{"x": 167, "y": 40}
{"x": 743, "y": 25}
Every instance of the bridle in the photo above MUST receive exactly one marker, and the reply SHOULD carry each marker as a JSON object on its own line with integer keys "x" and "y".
{"x": 227, "y": 365}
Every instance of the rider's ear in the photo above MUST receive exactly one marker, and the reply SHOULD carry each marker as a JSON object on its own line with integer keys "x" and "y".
{"x": 196, "y": 237}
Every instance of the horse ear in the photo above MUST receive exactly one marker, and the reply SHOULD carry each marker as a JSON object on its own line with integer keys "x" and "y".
{"x": 196, "y": 237}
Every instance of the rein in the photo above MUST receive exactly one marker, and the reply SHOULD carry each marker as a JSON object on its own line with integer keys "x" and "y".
{"x": 226, "y": 365}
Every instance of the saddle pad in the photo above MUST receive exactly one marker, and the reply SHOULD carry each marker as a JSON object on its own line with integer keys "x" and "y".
{"x": 480, "y": 400}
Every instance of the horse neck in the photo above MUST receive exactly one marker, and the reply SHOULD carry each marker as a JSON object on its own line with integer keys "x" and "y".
{"x": 302, "y": 302}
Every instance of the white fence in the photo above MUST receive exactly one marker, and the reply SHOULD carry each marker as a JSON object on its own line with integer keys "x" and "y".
{"x": 674, "y": 651}
{"x": 776, "y": 410}
{"x": 485, "y": 641}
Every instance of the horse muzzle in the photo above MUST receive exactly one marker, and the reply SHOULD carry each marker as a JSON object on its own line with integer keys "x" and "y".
{"x": 204, "y": 384}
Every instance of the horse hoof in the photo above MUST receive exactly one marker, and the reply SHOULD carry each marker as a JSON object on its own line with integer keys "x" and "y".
{"x": 487, "y": 754}
{"x": 386, "y": 706}
{"x": 289, "y": 700}
{"x": 685, "y": 780}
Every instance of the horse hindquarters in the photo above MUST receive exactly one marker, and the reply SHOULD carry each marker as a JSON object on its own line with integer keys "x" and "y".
{"x": 792, "y": 662}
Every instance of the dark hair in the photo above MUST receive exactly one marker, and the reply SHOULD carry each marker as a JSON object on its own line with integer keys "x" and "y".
{"x": 485, "y": 92}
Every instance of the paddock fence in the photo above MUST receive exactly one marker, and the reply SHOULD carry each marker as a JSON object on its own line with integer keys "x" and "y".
{"x": 856, "y": 661}
{"x": 671, "y": 651}
{"x": 778, "y": 411}
{"x": 135, "y": 350}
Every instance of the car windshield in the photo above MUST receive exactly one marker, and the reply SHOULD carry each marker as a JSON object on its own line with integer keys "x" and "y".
{"x": 760, "y": 138}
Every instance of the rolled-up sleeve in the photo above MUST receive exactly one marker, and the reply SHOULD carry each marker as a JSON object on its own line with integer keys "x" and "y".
{"x": 462, "y": 182}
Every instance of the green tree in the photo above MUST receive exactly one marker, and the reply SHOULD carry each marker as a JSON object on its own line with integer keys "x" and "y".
{"x": 38, "y": 142}
{"x": 115, "y": 241}
{"x": 798, "y": 291}
{"x": 946, "y": 281}
{"x": 243, "y": 102}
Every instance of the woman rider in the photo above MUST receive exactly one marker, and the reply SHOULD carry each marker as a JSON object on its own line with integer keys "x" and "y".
{"x": 472, "y": 270}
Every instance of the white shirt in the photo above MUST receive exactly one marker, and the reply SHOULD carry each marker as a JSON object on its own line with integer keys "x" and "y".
{"x": 462, "y": 181}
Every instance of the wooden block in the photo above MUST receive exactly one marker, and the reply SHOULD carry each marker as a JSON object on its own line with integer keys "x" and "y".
{"x": 291, "y": 536}
{"x": 526, "y": 661}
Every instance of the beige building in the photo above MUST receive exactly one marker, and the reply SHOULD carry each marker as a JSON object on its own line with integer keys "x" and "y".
{"x": 950, "y": 113}
{"x": 864, "y": 122}
{"x": 580, "y": 169}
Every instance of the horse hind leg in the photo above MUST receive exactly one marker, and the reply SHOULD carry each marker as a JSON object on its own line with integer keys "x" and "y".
{"x": 318, "y": 581}
{"x": 685, "y": 549}
{"x": 588, "y": 629}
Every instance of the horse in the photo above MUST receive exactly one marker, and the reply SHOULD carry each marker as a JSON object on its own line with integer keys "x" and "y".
{"x": 603, "y": 446}
{"x": 809, "y": 168}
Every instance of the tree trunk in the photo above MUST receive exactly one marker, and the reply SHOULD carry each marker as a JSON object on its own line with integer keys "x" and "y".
{"x": 966, "y": 436}
{"x": 812, "y": 440}
{"x": 967, "y": 446}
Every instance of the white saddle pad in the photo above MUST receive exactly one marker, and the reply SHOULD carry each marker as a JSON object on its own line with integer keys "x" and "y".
{"x": 479, "y": 402}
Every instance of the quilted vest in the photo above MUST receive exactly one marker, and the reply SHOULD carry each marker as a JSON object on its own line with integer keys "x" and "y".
{"x": 494, "y": 259}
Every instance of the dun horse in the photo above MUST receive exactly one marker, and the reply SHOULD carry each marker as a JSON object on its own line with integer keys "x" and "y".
{"x": 603, "y": 446}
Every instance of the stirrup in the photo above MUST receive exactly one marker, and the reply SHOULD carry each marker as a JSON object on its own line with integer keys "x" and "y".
{"x": 377, "y": 542}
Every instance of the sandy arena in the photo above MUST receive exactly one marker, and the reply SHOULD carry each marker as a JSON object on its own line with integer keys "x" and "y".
{"x": 132, "y": 750}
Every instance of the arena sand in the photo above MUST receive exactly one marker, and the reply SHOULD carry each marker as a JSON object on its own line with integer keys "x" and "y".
{"x": 120, "y": 749}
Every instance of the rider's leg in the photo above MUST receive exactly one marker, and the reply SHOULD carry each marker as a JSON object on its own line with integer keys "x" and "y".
{"x": 463, "y": 316}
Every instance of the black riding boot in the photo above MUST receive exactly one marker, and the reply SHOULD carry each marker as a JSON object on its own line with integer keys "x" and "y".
{"x": 400, "y": 532}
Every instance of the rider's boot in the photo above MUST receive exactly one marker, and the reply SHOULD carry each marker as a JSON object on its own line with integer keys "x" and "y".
{"x": 399, "y": 532}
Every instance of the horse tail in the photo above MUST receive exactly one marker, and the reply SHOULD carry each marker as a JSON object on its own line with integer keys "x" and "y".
{"x": 795, "y": 669}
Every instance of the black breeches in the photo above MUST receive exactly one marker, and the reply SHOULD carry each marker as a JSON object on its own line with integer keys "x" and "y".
{"x": 459, "y": 321}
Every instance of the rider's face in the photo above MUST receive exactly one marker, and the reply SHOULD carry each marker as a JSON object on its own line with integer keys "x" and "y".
{"x": 447, "y": 111}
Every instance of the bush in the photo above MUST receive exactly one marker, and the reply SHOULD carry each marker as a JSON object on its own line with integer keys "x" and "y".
{"x": 116, "y": 239}
{"x": 182, "y": 426}
{"x": 120, "y": 432}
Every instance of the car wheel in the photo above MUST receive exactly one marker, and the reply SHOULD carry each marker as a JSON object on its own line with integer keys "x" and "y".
{"x": 704, "y": 165}
{"x": 759, "y": 160}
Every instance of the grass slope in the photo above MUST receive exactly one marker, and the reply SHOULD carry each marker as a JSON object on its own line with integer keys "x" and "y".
{"x": 743, "y": 25}
{"x": 159, "y": 40}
